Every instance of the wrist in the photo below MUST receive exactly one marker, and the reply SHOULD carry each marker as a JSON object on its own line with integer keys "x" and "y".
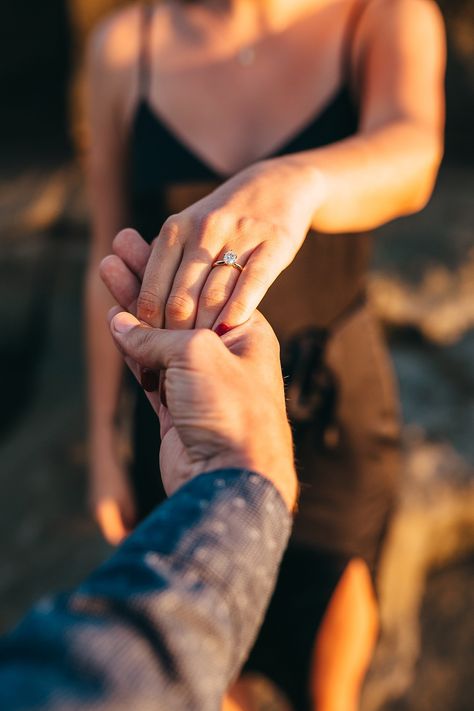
{"x": 280, "y": 471}
{"x": 309, "y": 172}
{"x": 309, "y": 179}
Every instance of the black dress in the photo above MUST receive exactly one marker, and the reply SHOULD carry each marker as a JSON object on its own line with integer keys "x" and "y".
{"x": 342, "y": 397}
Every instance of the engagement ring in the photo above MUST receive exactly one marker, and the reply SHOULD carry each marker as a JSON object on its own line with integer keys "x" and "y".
{"x": 229, "y": 260}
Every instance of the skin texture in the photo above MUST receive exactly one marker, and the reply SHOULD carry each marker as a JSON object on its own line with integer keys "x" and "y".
{"x": 264, "y": 211}
{"x": 345, "y": 642}
{"x": 211, "y": 419}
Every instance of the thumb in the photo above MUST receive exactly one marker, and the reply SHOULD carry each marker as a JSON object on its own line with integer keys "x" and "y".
{"x": 152, "y": 348}
{"x": 253, "y": 339}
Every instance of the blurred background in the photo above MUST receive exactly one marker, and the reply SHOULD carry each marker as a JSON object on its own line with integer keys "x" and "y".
{"x": 422, "y": 285}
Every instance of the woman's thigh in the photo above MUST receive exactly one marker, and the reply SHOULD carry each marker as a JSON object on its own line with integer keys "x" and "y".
{"x": 284, "y": 648}
{"x": 317, "y": 638}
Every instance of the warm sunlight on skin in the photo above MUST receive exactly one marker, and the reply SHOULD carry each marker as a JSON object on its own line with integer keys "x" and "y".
{"x": 110, "y": 521}
{"x": 345, "y": 642}
{"x": 122, "y": 47}
{"x": 181, "y": 71}
{"x": 123, "y": 44}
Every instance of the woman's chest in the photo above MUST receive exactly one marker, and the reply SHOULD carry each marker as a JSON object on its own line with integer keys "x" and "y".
{"x": 232, "y": 114}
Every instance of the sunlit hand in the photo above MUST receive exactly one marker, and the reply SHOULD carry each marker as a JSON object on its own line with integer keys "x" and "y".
{"x": 262, "y": 214}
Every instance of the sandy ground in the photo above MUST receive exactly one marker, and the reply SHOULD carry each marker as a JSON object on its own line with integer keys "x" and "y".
{"x": 47, "y": 540}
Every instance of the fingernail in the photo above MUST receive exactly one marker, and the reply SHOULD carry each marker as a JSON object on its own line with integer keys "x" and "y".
{"x": 149, "y": 380}
{"x": 223, "y": 328}
{"x": 124, "y": 322}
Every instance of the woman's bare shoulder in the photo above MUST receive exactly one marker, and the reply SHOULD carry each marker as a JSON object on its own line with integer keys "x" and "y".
{"x": 114, "y": 45}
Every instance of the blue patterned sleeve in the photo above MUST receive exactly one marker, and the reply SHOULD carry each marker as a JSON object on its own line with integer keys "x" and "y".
{"x": 167, "y": 622}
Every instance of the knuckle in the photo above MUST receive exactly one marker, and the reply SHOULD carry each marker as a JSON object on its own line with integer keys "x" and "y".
{"x": 209, "y": 223}
{"x": 148, "y": 304}
{"x": 170, "y": 230}
{"x": 144, "y": 338}
{"x": 138, "y": 343}
{"x": 199, "y": 343}
{"x": 214, "y": 296}
{"x": 179, "y": 307}
{"x": 247, "y": 224}
{"x": 191, "y": 348}
{"x": 264, "y": 228}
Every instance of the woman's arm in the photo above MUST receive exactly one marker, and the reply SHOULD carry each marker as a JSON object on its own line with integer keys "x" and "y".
{"x": 106, "y": 178}
{"x": 389, "y": 168}
{"x": 264, "y": 213}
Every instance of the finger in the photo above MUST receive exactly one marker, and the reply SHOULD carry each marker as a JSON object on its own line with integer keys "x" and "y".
{"x": 120, "y": 281}
{"x": 259, "y": 273}
{"x": 182, "y": 303}
{"x": 113, "y": 312}
{"x": 158, "y": 349}
{"x": 215, "y": 293}
{"x": 148, "y": 378}
{"x": 132, "y": 250}
{"x": 255, "y": 344}
{"x": 160, "y": 271}
{"x": 252, "y": 338}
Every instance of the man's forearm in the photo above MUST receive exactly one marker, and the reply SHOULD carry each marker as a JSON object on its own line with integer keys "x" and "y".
{"x": 167, "y": 622}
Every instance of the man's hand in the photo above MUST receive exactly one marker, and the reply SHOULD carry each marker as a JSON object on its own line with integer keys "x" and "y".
{"x": 225, "y": 405}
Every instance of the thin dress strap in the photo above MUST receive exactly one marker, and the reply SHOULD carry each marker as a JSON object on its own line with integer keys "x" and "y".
{"x": 144, "y": 68}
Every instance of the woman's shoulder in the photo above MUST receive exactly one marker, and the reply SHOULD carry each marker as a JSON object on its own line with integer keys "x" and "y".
{"x": 114, "y": 45}
{"x": 376, "y": 14}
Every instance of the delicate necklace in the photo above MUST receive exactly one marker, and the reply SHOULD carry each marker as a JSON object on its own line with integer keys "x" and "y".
{"x": 246, "y": 56}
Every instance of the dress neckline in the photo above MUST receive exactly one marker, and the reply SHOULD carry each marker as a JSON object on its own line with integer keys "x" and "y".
{"x": 283, "y": 147}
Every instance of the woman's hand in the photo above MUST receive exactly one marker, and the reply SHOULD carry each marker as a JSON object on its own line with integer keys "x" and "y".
{"x": 262, "y": 214}
{"x": 110, "y": 498}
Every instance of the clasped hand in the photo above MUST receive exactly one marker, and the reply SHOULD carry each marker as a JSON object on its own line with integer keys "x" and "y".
{"x": 225, "y": 402}
{"x": 263, "y": 214}
{"x": 225, "y": 406}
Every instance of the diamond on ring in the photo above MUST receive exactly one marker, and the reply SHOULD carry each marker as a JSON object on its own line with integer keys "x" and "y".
{"x": 230, "y": 258}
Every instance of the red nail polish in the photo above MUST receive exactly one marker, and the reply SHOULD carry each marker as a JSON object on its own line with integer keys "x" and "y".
{"x": 149, "y": 380}
{"x": 223, "y": 328}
